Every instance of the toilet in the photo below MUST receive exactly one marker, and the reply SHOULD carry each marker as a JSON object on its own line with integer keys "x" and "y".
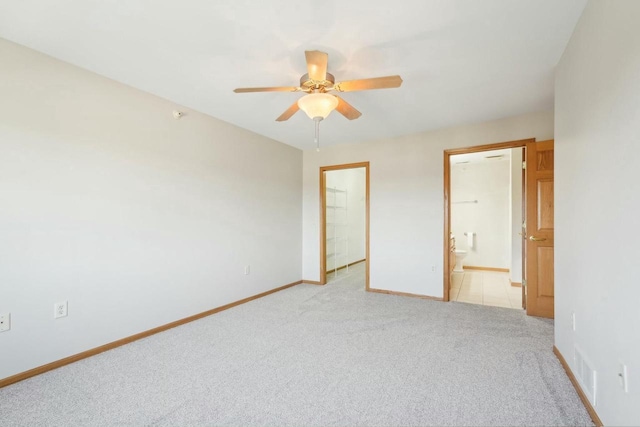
{"x": 460, "y": 254}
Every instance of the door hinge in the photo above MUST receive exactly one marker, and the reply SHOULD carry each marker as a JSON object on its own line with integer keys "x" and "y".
{"x": 524, "y": 283}
{"x": 524, "y": 165}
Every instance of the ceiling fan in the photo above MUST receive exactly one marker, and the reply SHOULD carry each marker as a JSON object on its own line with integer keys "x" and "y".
{"x": 316, "y": 83}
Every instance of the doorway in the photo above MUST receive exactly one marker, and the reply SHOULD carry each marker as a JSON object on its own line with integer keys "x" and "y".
{"x": 486, "y": 218}
{"x": 537, "y": 233}
{"x": 344, "y": 220}
{"x": 468, "y": 239}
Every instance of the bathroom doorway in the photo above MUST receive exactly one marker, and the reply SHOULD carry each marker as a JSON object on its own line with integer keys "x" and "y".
{"x": 344, "y": 219}
{"x": 484, "y": 206}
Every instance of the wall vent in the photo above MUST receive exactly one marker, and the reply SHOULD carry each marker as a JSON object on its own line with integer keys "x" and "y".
{"x": 586, "y": 375}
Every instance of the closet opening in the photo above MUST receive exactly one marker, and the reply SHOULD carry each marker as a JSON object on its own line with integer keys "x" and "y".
{"x": 344, "y": 223}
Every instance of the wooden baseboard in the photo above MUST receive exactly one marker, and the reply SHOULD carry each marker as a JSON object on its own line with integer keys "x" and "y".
{"x": 592, "y": 412}
{"x": 516, "y": 284}
{"x": 68, "y": 360}
{"x": 473, "y": 267}
{"x": 312, "y": 282}
{"x": 403, "y": 294}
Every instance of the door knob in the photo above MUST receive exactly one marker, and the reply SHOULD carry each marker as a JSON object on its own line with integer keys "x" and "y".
{"x": 537, "y": 239}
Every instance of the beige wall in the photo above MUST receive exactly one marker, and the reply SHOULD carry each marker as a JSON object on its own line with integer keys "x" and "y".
{"x": 406, "y": 196}
{"x": 135, "y": 218}
{"x": 597, "y": 197}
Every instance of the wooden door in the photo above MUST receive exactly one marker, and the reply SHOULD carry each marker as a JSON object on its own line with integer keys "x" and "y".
{"x": 539, "y": 272}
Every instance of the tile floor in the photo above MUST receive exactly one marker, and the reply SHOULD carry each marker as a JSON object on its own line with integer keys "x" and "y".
{"x": 485, "y": 288}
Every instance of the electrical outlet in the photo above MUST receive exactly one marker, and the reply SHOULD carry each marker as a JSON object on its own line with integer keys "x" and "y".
{"x": 60, "y": 309}
{"x": 5, "y": 322}
{"x": 573, "y": 321}
{"x": 247, "y": 269}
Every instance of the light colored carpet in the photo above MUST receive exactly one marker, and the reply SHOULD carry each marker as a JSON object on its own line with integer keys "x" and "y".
{"x": 311, "y": 355}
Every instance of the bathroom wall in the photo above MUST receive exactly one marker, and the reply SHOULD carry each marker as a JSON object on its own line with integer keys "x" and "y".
{"x": 488, "y": 182}
{"x": 515, "y": 271}
{"x": 352, "y": 180}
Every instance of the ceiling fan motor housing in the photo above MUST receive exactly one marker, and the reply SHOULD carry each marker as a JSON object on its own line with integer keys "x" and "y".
{"x": 310, "y": 85}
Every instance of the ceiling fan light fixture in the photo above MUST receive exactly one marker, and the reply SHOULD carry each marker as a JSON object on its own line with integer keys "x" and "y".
{"x": 318, "y": 104}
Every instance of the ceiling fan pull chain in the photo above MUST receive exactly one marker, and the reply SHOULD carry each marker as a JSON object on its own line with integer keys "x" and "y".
{"x": 317, "y": 139}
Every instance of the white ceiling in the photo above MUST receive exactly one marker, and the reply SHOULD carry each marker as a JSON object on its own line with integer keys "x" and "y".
{"x": 462, "y": 61}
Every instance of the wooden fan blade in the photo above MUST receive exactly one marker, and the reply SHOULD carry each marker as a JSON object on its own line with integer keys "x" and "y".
{"x": 289, "y": 112}
{"x": 366, "y": 84}
{"x": 317, "y": 64}
{"x": 347, "y": 110}
{"x": 267, "y": 89}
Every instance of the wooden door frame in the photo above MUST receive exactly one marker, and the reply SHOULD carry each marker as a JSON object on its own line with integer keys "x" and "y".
{"x": 447, "y": 201}
{"x": 323, "y": 219}
{"x": 523, "y": 235}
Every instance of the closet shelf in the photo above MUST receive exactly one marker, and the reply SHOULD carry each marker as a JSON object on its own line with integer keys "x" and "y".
{"x": 336, "y": 220}
{"x": 336, "y": 255}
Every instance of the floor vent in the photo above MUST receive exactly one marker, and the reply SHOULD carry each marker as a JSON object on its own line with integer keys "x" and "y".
{"x": 586, "y": 375}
